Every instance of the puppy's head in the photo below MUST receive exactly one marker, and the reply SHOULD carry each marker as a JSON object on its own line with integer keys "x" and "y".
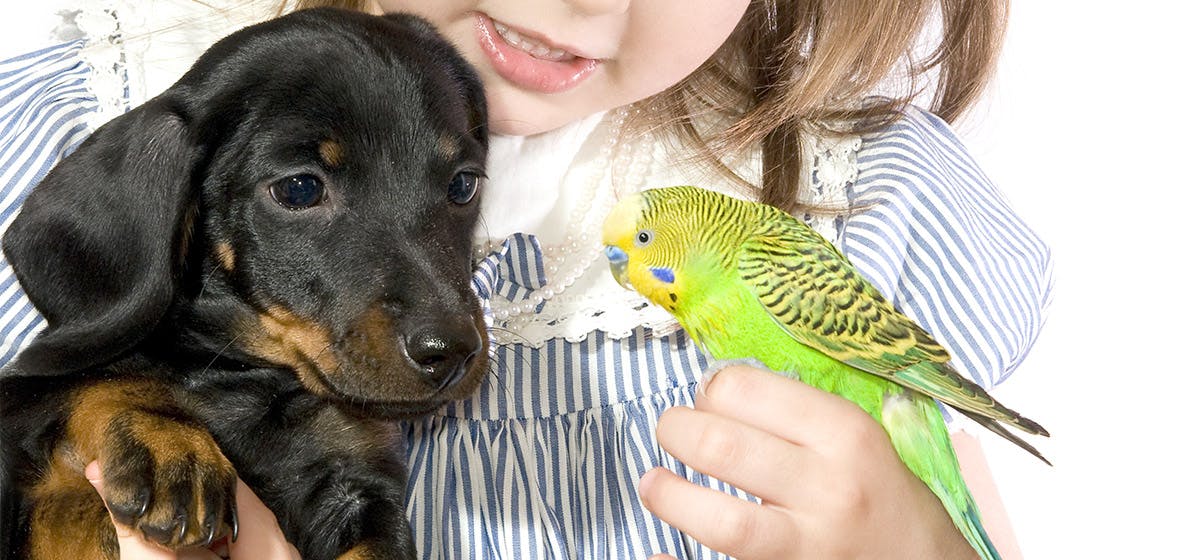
{"x": 303, "y": 197}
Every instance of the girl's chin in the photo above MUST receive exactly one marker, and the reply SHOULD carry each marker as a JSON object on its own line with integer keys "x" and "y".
{"x": 517, "y": 118}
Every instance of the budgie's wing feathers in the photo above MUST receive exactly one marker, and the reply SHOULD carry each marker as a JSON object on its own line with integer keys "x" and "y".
{"x": 1003, "y": 432}
{"x": 817, "y": 296}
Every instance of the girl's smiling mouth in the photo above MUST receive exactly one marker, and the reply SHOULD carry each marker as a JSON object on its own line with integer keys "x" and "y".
{"x": 529, "y": 62}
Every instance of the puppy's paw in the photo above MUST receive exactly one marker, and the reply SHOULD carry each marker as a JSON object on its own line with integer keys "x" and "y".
{"x": 168, "y": 479}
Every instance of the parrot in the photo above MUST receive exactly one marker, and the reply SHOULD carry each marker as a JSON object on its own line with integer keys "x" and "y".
{"x": 748, "y": 281}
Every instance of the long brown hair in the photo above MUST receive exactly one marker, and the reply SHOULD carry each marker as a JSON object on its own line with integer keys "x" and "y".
{"x": 799, "y": 67}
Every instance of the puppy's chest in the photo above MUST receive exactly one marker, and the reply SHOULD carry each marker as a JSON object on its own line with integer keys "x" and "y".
{"x": 252, "y": 419}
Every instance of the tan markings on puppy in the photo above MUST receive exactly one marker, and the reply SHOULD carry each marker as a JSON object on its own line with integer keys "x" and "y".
{"x": 332, "y": 153}
{"x": 223, "y": 251}
{"x": 447, "y": 147}
{"x": 95, "y": 407}
{"x": 124, "y": 422}
{"x": 69, "y": 519}
{"x": 360, "y": 552}
{"x": 377, "y": 366}
{"x": 288, "y": 339}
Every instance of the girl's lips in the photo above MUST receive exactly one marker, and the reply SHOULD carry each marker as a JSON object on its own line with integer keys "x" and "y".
{"x": 527, "y": 71}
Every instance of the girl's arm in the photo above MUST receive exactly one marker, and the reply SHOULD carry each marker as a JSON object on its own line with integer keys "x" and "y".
{"x": 938, "y": 239}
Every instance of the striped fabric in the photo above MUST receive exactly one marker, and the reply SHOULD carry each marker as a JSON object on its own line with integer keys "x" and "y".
{"x": 941, "y": 241}
{"x": 544, "y": 461}
{"x": 44, "y": 105}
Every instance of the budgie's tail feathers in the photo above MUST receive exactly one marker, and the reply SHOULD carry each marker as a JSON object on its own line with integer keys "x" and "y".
{"x": 977, "y": 536}
{"x": 1014, "y": 419}
{"x": 995, "y": 426}
{"x": 942, "y": 382}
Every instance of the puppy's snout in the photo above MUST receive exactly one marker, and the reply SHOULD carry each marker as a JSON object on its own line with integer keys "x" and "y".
{"x": 443, "y": 350}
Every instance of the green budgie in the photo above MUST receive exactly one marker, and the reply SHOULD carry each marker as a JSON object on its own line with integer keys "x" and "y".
{"x": 747, "y": 280}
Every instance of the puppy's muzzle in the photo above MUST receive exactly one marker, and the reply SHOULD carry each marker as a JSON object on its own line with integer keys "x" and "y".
{"x": 443, "y": 350}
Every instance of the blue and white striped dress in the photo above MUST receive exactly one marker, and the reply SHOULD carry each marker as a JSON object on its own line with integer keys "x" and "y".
{"x": 545, "y": 460}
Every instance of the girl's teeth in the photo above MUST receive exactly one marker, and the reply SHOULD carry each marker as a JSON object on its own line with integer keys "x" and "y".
{"x": 534, "y": 48}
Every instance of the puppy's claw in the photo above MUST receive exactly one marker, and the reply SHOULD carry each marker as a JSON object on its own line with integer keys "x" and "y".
{"x": 233, "y": 513}
{"x": 210, "y": 532}
{"x": 143, "y": 499}
{"x": 182, "y": 520}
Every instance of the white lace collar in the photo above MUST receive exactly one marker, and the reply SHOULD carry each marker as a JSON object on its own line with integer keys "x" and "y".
{"x": 575, "y": 295}
{"x": 138, "y": 48}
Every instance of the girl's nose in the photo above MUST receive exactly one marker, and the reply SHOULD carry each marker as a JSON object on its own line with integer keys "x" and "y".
{"x": 599, "y": 7}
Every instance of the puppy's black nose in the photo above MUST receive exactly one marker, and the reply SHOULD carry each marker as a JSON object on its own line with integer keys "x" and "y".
{"x": 443, "y": 350}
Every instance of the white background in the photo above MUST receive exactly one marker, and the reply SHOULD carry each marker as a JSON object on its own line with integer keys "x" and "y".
{"x": 1091, "y": 131}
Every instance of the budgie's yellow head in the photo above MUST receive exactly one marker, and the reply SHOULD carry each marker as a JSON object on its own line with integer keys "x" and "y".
{"x": 665, "y": 243}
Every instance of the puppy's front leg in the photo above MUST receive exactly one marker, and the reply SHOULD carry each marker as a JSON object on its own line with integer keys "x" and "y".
{"x": 335, "y": 482}
{"x": 163, "y": 473}
{"x": 347, "y": 500}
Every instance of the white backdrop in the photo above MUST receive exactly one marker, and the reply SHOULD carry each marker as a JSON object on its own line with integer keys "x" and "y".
{"x": 1091, "y": 131}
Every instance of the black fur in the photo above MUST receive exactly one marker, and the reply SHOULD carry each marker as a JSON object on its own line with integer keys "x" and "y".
{"x": 161, "y": 260}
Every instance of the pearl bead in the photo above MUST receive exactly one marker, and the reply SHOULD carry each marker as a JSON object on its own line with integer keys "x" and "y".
{"x": 564, "y": 264}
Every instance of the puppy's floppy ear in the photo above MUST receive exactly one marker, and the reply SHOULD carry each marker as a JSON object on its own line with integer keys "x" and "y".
{"x": 94, "y": 244}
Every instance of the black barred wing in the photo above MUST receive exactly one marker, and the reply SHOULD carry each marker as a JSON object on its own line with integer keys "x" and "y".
{"x": 817, "y": 296}
{"x": 814, "y": 293}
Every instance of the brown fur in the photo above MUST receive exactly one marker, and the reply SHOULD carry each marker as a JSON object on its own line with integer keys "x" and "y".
{"x": 332, "y": 153}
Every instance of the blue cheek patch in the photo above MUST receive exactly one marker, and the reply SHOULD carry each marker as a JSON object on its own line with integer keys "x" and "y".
{"x": 665, "y": 275}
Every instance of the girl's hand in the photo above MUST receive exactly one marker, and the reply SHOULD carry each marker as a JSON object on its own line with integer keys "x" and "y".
{"x": 831, "y": 485}
{"x": 259, "y": 536}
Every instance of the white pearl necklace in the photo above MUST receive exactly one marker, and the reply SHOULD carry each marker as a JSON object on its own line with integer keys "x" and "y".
{"x": 564, "y": 264}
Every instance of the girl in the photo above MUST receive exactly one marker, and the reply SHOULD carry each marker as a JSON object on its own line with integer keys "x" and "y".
{"x": 600, "y": 436}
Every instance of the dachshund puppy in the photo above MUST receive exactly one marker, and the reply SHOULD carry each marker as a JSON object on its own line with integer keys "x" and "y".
{"x": 250, "y": 275}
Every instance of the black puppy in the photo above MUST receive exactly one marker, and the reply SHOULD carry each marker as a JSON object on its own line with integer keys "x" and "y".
{"x": 247, "y": 276}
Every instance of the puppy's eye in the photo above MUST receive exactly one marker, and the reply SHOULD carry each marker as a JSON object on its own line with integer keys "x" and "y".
{"x": 463, "y": 186}
{"x": 298, "y": 191}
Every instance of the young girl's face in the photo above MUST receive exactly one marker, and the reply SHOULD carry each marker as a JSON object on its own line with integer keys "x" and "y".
{"x": 545, "y": 63}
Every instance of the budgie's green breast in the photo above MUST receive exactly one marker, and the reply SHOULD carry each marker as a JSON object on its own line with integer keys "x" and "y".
{"x": 730, "y": 322}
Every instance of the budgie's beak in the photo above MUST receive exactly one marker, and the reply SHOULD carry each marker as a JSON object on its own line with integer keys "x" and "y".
{"x": 618, "y": 263}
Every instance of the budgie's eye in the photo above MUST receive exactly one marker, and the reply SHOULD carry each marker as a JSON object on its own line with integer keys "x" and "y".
{"x": 644, "y": 238}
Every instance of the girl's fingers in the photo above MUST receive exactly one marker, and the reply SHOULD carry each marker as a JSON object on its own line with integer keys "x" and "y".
{"x": 758, "y": 462}
{"x": 721, "y": 522}
{"x": 786, "y": 407}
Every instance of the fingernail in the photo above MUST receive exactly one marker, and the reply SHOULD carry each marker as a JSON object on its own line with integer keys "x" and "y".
{"x": 719, "y": 365}
{"x": 708, "y": 376}
{"x": 711, "y": 373}
{"x": 92, "y": 472}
